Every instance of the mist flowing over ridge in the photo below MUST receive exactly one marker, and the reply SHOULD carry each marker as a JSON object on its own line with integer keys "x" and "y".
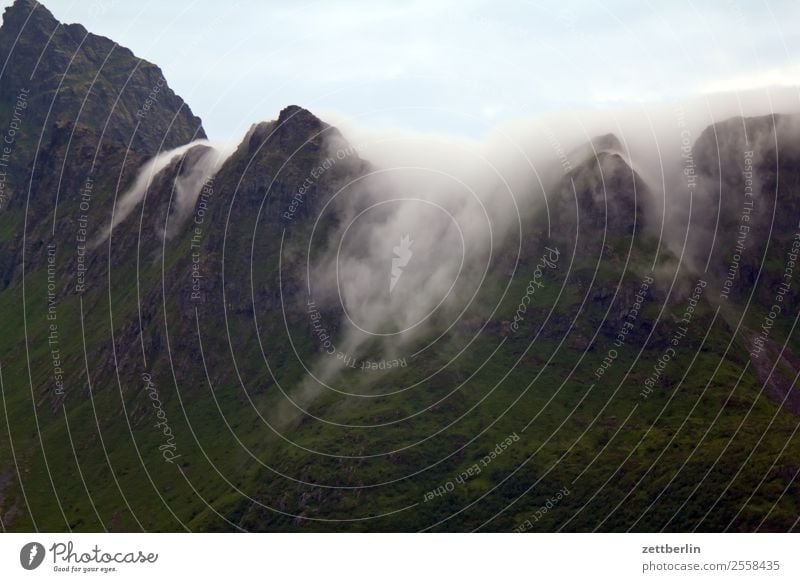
{"x": 470, "y": 201}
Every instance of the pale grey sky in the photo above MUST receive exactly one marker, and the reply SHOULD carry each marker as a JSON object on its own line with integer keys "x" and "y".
{"x": 450, "y": 66}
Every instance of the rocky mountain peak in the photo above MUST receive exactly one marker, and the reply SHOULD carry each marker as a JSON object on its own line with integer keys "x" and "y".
{"x": 607, "y": 142}
{"x": 603, "y": 192}
{"x": 70, "y": 74}
{"x": 29, "y": 13}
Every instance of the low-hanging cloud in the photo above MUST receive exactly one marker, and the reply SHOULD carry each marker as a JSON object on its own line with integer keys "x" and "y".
{"x": 460, "y": 203}
{"x": 419, "y": 232}
{"x": 187, "y": 185}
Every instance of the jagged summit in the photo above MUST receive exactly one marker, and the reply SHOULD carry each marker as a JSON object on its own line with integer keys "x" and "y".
{"x": 296, "y": 126}
{"x": 299, "y": 114}
{"x": 28, "y": 13}
{"x": 608, "y": 196}
{"x": 74, "y": 76}
{"x": 31, "y": 18}
{"x": 295, "y": 129}
{"x": 279, "y": 157}
{"x": 607, "y": 142}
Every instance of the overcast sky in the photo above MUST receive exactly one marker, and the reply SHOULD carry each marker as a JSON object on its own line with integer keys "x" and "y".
{"x": 453, "y": 66}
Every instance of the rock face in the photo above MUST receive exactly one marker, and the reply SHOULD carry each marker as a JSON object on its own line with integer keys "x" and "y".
{"x": 72, "y": 75}
{"x": 768, "y": 147}
{"x": 79, "y": 109}
{"x": 601, "y": 194}
{"x": 749, "y": 177}
{"x": 284, "y": 161}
